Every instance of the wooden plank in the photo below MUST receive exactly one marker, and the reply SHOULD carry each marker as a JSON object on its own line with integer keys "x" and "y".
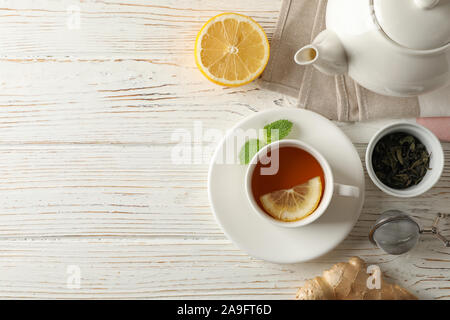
{"x": 114, "y": 269}
{"x": 116, "y": 101}
{"x": 114, "y": 27}
{"x": 137, "y": 191}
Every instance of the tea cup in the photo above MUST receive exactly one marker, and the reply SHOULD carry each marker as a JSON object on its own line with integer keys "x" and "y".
{"x": 330, "y": 190}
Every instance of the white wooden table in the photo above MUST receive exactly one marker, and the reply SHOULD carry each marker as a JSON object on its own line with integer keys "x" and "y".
{"x": 91, "y": 95}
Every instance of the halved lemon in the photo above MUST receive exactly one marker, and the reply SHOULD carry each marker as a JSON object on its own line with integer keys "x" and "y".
{"x": 295, "y": 203}
{"x": 231, "y": 49}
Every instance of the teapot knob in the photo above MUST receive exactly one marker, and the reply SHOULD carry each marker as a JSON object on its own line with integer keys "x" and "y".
{"x": 426, "y": 4}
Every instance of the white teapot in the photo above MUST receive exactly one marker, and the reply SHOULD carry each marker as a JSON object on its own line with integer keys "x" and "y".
{"x": 392, "y": 47}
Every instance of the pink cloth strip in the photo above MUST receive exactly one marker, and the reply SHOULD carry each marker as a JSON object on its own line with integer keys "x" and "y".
{"x": 440, "y": 126}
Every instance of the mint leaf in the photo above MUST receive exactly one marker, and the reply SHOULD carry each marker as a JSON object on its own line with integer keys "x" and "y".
{"x": 248, "y": 150}
{"x": 270, "y": 131}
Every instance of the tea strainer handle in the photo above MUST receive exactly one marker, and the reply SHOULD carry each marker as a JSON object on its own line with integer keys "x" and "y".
{"x": 435, "y": 231}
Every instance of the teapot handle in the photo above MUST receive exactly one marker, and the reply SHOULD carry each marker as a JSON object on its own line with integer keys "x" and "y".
{"x": 426, "y": 4}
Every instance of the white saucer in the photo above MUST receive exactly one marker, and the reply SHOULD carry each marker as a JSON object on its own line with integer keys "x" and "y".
{"x": 258, "y": 237}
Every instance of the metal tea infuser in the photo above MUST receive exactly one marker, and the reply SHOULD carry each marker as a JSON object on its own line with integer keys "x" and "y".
{"x": 396, "y": 232}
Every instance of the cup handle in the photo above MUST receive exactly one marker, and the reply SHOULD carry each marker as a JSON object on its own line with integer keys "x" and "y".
{"x": 346, "y": 191}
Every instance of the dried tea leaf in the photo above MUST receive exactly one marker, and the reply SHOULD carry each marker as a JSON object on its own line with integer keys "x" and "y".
{"x": 399, "y": 156}
{"x": 400, "y": 160}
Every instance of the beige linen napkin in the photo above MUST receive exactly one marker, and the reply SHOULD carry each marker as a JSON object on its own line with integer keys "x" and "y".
{"x": 339, "y": 98}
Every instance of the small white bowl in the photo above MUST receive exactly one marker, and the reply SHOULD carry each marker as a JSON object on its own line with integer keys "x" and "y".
{"x": 433, "y": 146}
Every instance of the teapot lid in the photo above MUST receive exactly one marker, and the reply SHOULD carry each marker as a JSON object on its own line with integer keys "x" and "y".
{"x": 414, "y": 24}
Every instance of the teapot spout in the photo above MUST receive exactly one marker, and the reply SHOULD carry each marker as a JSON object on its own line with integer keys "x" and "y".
{"x": 306, "y": 55}
{"x": 326, "y": 54}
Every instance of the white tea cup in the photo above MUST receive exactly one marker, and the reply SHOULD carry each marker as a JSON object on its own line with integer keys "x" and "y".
{"x": 331, "y": 187}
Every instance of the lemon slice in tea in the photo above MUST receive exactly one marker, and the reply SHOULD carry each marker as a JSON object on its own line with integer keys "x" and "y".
{"x": 231, "y": 49}
{"x": 295, "y": 203}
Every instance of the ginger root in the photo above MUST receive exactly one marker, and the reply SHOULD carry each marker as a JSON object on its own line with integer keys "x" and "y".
{"x": 348, "y": 281}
